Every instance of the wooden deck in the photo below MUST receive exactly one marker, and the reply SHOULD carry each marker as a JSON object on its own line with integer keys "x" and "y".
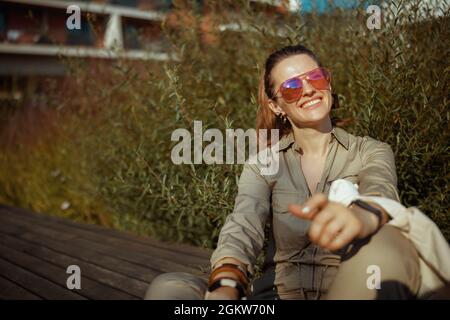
{"x": 36, "y": 249}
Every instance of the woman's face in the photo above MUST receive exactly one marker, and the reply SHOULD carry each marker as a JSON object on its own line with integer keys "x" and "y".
{"x": 313, "y": 106}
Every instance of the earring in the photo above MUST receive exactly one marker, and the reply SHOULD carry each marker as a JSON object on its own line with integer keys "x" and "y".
{"x": 283, "y": 118}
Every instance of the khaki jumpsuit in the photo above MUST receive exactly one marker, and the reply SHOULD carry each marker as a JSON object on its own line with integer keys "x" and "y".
{"x": 294, "y": 267}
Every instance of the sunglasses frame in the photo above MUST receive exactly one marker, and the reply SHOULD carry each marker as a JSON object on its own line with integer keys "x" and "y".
{"x": 304, "y": 76}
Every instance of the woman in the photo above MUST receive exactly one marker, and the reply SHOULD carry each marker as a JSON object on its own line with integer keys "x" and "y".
{"x": 317, "y": 248}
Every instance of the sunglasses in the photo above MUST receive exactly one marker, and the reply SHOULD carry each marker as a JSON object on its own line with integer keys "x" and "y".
{"x": 292, "y": 89}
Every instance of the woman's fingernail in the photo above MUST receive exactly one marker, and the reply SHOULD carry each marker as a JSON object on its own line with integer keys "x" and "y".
{"x": 306, "y": 210}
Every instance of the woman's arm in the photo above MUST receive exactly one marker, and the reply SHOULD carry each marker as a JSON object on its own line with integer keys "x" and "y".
{"x": 378, "y": 176}
{"x": 242, "y": 236}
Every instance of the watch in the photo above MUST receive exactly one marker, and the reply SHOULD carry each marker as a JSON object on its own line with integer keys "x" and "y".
{"x": 228, "y": 282}
{"x": 364, "y": 205}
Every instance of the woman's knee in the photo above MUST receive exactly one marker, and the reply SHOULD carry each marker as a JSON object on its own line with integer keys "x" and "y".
{"x": 391, "y": 249}
{"x": 386, "y": 265}
{"x": 176, "y": 286}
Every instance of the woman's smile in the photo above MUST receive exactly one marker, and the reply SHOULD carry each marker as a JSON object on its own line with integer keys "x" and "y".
{"x": 311, "y": 103}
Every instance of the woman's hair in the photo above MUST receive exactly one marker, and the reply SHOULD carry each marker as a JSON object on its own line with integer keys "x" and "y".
{"x": 266, "y": 118}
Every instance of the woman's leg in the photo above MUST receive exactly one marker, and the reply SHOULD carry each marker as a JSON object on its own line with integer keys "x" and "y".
{"x": 177, "y": 286}
{"x": 389, "y": 259}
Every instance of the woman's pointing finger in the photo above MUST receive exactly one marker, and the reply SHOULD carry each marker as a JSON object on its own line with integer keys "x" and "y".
{"x": 310, "y": 208}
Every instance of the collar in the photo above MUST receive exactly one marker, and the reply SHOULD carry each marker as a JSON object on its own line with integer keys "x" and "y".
{"x": 336, "y": 133}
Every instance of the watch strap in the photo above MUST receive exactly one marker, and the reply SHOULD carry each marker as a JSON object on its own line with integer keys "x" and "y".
{"x": 228, "y": 282}
{"x": 366, "y": 206}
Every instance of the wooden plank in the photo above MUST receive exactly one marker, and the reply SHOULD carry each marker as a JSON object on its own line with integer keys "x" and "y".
{"x": 143, "y": 259}
{"x": 123, "y": 267}
{"x": 36, "y": 284}
{"x": 173, "y": 247}
{"x": 124, "y": 235}
{"x": 134, "y": 287}
{"x": 12, "y": 291}
{"x": 147, "y": 260}
{"x": 89, "y": 288}
{"x": 178, "y": 258}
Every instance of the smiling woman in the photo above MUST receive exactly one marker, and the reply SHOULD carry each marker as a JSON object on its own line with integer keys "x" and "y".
{"x": 318, "y": 248}
{"x": 294, "y": 82}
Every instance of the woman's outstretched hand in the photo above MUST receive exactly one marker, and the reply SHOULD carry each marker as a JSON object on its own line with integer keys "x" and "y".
{"x": 334, "y": 225}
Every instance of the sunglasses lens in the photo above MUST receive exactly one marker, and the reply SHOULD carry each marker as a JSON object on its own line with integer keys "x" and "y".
{"x": 291, "y": 90}
{"x": 319, "y": 78}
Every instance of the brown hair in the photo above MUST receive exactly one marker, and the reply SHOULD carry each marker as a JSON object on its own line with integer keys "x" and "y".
{"x": 266, "y": 118}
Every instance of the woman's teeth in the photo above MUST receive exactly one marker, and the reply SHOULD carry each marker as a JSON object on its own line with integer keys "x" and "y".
{"x": 311, "y": 103}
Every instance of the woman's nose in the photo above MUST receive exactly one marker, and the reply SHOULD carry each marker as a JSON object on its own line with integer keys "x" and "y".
{"x": 308, "y": 89}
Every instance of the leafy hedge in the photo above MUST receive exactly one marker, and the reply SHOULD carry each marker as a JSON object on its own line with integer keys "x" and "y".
{"x": 98, "y": 149}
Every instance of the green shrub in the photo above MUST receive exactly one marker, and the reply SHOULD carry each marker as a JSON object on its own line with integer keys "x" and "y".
{"x": 107, "y": 147}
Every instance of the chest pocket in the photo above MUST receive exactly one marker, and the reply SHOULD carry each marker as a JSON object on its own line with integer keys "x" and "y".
{"x": 290, "y": 232}
{"x": 353, "y": 178}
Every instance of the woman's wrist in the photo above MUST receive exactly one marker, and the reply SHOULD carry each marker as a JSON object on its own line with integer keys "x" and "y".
{"x": 231, "y": 271}
{"x": 230, "y": 266}
{"x": 223, "y": 293}
{"x": 225, "y": 284}
{"x": 370, "y": 223}
{"x": 228, "y": 290}
{"x": 384, "y": 215}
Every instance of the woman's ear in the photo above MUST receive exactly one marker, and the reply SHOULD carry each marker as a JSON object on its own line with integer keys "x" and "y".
{"x": 275, "y": 107}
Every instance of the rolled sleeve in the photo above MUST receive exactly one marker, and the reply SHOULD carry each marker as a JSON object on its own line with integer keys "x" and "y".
{"x": 242, "y": 235}
{"x": 378, "y": 174}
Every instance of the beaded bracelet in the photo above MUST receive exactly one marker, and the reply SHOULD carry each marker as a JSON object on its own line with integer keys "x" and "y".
{"x": 232, "y": 269}
{"x": 232, "y": 265}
